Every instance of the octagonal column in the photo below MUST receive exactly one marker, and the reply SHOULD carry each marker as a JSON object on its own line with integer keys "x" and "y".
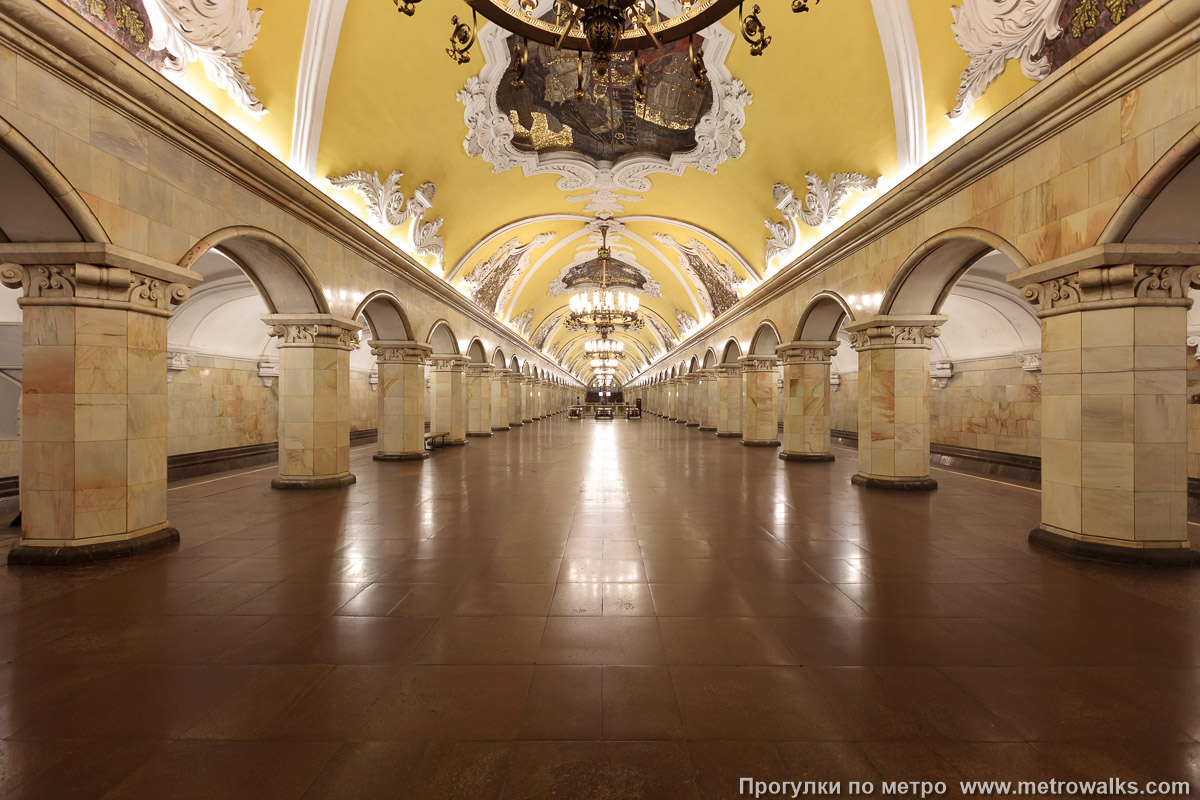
{"x": 684, "y": 399}
{"x": 314, "y": 399}
{"x": 516, "y": 400}
{"x": 893, "y": 400}
{"x": 1114, "y": 401}
{"x": 401, "y": 399}
{"x": 501, "y": 405}
{"x": 449, "y": 413}
{"x": 707, "y": 399}
{"x": 527, "y": 410}
{"x": 479, "y": 400}
{"x": 674, "y": 398}
{"x": 729, "y": 401}
{"x": 695, "y": 395}
{"x": 806, "y": 400}
{"x": 760, "y": 401}
{"x": 93, "y": 455}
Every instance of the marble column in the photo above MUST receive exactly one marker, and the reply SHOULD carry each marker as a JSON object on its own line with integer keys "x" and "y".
{"x": 729, "y": 401}
{"x": 314, "y": 399}
{"x": 479, "y": 399}
{"x": 708, "y": 399}
{"x": 695, "y": 395}
{"x": 501, "y": 406}
{"x": 760, "y": 401}
{"x": 893, "y": 400}
{"x": 449, "y": 397}
{"x": 528, "y": 412}
{"x": 1114, "y": 401}
{"x": 806, "y": 400}
{"x": 401, "y": 399}
{"x": 516, "y": 400}
{"x": 93, "y": 411}
{"x": 673, "y": 399}
{"x": 683, "y": 399}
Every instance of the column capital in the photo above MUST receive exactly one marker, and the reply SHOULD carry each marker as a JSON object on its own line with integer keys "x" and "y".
{"x": 500, "y": 373}
{"x": 391, "y": 351}
{"x": 313, "y": 330}
{"x": 758, "y": 363}
{"x": 896, "y": 332}
{"x": 92, "y": 274}
{"x": 807, "y": 352}
{"x": 1112, "y": 276}
{"x": 478, "y": 370}
{"x": 731, "y": 368}
{"x": 448, "y": 363}
{"x": 691, "y": 377}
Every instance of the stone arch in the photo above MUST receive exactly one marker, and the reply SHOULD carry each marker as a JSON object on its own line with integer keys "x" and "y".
{"x": 475, "y": 352}
{"x": 515, "y": 365}
{"x": 731, "y": 352}
{"x": 927, "y": 277}
{"x": 498, "y": 360}
{"x": 672, "y": 372}
{"x": 766, "y": 339}
{"x": 385, "y": 316}
{"x": 442, "y": 339}
{"x": 280, "y": 274}
{"x": 694, "y": 364}
{"x": 710, "y": 359}
{"x": 38, "y": 203}
{"x": 823, "y": 318}
{"x": 1161, "y": 206}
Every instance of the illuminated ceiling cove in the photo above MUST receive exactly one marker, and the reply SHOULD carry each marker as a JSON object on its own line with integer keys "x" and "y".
{"x": 500, "y": 188}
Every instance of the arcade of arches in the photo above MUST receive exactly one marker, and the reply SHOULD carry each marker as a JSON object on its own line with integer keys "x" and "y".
{"x": 310, "y": 491}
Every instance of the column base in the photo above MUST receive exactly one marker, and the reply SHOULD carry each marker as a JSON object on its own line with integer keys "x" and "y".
{"x": 418, "y": 456}
{"x": 336, "y": 482}
{"x": 456, "y": 442}
{"x": 814, "y": 457}
{"x": 504, "y": 428}
{"x": 1093, "y": 550}
{"x": 903, "y": 484}
{"x": 693, "y": 424}
{"x": 772, "y": 443}
{"x": 707, "y": 429}
{"x": 527, "y": 420}
{"x": 52, "y": 555}
{"x": 479, "y": 433}
{"x": 729, "y": 435}
{"x": 515, "y": 424}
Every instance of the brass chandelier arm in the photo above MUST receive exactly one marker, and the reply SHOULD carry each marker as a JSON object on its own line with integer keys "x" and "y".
{"x": 644, "y": 37}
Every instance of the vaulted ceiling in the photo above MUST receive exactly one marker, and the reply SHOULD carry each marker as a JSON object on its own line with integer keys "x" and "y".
{"x": 852, "y": 86}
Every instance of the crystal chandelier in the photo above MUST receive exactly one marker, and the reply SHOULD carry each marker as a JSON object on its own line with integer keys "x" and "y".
{"x": 605, "y": 347}
{"x": 604, "y": 362}
{"x": 604, "y": 309}
{"x": 601, "y": 28}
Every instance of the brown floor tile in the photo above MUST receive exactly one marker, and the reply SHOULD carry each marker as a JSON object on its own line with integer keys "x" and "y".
{"x": 449, "y": 703}
{"x": 481, "y": 640}
{"x": 601, "y": 640}
{"x": 755, "y": 703}
{"x": 563, "y": 703}
{"x": 722, "y": 640}
{"x": 600, "y": 771}
{"x": 639, "y": 704}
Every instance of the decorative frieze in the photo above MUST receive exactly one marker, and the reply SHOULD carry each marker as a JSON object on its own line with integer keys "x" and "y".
{"x": 759, "y": 363}
{"x": 313, "y": 330}
{"x": 400, "y": 352}
{"x": 479, "y": 370}
{"x": 91, "y": 285}
{"x": 448, "y": 363}
{"x": 806, "y": 352}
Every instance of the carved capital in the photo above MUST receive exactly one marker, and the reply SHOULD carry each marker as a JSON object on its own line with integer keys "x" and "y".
{"x": 92, "y": 285}
{"x": 890, "y": 332}
{"x": 313, "y": 330}
{"x": 400, "y": 352}
{"x": 448, "y": 363}
{"x": 806, "y": 352}
{"x": 731, "y": 370}
{"x": 758, "y": 363}
{"x": 479, "y": 370}
{"x": 499, "y": 374}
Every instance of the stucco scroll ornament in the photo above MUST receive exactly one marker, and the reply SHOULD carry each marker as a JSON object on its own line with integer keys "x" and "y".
{"x": 994, "y": 32}
{"x": 217, "y": 33}
{"x": 155, "y": 293}
{"x": 1053, "y": 293}
{"x": 38, "y": 281}
{"x": 294, "y": 334}
{"x": 822, "y": 204}
{"x": 686, "y": 322}
{"x": 523, "y": 322}
{"x": 386, "y": 206}
{"x": 755, "y": 364}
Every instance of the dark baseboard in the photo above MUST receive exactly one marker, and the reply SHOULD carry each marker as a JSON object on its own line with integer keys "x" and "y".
{"x": 206, "y": 462}
{"x": 992, "y": 463}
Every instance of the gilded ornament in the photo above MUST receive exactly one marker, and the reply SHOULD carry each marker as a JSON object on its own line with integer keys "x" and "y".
{"x": 98, "y": 8}
{"x": 129, "y": 20}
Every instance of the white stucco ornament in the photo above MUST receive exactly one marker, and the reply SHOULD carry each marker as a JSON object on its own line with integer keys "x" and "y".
{"x": 215, "y": 33}
{"x": 994, "y": 32}
{"x": 386, "y": 207}
{"x": 821, "y": 205}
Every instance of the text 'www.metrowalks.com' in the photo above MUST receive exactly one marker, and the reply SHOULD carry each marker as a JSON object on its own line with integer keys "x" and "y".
{"x": 1112, "y": 787}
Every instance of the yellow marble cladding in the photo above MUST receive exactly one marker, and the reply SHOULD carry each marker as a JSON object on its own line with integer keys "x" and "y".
{"x": 992, "y": 404}
{"x": 479, "y": 404}
{"x": 516, "y": 400}
{"x": 893, "y": 413}
{"x": 314, "y": 417}
{"x": 729, "y": 402}
{"x": 448, "y": 413}
{"x": 1114, "y": 433}
{"x": 806, "y": 409}
{"x": 501, "y": 404}
{"x": 401, "y": 408}
{"x": 760, "y": 406}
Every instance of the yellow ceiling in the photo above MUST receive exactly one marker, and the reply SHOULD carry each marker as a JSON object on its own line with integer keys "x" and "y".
{"x": 821, "y": 102}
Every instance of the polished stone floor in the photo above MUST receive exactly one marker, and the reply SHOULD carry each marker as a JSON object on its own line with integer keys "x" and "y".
{"x": 594, "y": 610}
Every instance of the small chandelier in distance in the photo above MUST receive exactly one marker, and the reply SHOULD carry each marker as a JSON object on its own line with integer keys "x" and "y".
{"x": 605, "y": 347}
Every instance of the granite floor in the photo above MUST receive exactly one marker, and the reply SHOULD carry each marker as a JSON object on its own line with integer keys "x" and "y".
{"x": 594, "y": 610}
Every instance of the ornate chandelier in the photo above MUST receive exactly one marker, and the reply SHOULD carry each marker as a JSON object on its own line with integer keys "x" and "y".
{"x": 604, "y": 309}
{"x": 605, "y": 347}
{"x": 601, "y": 28}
